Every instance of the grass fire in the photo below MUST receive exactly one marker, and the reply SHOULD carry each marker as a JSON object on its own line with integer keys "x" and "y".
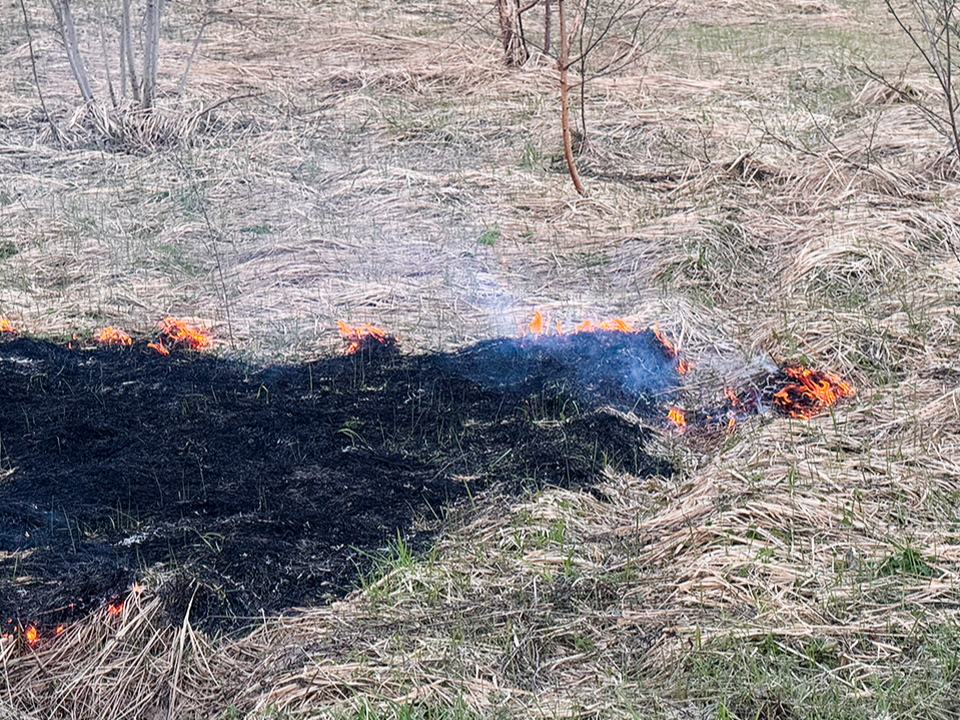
{"x": 501, "y": 360}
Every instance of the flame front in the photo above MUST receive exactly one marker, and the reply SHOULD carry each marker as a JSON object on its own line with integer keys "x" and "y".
{"x": 614, "y": 325}
{"x": 180, "y": 334}
{"x": 665, "y": 341}
{"x": 5, "y": 326}
{"x": 112, "y": 336}
{"x": 536, "y": 325}
{"x": 813, "y": 391}
{"x": 678, "y": 417}
{"x": 354, "y": 337}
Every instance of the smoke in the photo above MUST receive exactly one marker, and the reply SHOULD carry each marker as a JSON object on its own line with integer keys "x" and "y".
{"x": 630, "y": 371}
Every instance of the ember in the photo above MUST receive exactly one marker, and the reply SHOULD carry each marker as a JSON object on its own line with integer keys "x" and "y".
{"x": 806, "y": 392}
{"x": 112, "y": 336}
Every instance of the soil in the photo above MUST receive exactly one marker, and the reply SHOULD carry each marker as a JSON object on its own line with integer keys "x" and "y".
{"x": 243, "y": 491}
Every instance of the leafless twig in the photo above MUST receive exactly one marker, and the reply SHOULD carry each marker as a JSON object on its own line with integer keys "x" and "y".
{"x": 36, "y": 78}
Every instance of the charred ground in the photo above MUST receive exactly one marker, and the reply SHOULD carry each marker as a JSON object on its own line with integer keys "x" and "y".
{"x": 252, "y": 490}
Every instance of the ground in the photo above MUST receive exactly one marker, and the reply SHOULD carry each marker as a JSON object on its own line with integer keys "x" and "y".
{"x": 238, "y": 492}
{"x": 749, "y": 188}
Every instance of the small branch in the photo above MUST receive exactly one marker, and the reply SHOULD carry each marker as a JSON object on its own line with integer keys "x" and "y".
{"x": 547, "y": 13}
{"x": 207, "y": 20}
{"x": 106, "y": 60}
{"x": 511, "y": 33}
{"x": 36, "y": 77}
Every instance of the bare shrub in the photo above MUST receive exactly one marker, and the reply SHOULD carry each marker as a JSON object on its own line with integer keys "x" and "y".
{"x": 597, "y": 38}
{"x": 126, "y": 118}
{"x": 933, "y": 26}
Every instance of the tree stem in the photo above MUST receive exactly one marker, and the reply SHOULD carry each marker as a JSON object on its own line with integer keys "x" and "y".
{"x": 563, "y": 66}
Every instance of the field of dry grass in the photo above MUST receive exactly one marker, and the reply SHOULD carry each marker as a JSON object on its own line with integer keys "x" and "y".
{"x": 748, "y": 188}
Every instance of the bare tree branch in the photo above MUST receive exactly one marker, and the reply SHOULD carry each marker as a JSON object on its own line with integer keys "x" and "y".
{"x": 938, "y": 41}
{"x": 511, "y": 32}
{"x": 208, "y": 18}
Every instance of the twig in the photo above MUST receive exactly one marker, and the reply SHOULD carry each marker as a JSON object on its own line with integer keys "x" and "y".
{"x": 106, "y": 60}
{"x": 193, "y": 52}
{"x": 36, "y": 78}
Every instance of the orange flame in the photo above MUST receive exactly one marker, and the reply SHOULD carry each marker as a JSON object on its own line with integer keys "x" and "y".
{"x": 354, "y": 336}
{"x": 813, "y": 391}
{"x": 617, "y": 325}
{"x": 112, "y": 336}
{"x": 181, "y": 334}
{"x": 664, "y": 340}
{"x": 31, "y": 635}
{"x": 158, "y": 346}
{"x": 536, "y": 325}
{"x": 5, "y": 326}
{"x": 115, "y": 608}
{"x": 678, "y": 417}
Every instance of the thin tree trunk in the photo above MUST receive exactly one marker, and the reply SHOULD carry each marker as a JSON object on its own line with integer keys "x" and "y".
{"x": 511, "y": 32}
{"x": 126, "y": 40}
{"x": 61, "y": 9}
{"x": 106, "y": 60}
{"x": 562, "y": 66}
{"x": 546, "y": 27}
{"x": 151, "y": 52}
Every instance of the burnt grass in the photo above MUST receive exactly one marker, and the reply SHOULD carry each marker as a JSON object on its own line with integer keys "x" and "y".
{"x": 252, "y": 490}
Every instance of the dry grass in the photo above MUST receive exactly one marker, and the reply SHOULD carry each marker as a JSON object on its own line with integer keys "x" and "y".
{"x": 747, "y": 189}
